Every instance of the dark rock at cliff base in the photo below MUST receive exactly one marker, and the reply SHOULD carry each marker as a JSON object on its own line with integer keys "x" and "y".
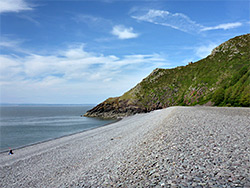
{"x": 220, "y": 79}
{"x": 115, "y": 108}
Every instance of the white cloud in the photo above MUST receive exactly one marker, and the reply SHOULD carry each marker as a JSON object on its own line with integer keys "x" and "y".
{"x": 12, "y": 45}
{"x": 178, "y": 21}
{"x": 204, "y": 51}
{"x": 10, "y": 68}
{"x": 124, "y": 33}
{"x": 14, "y": 6}
{"x": 73, "y": 72}
{"x": 223, "y": 26}
{"x": 9, "y": 44}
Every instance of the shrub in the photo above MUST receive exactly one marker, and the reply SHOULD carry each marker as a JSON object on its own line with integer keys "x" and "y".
{"x": 218, "y": 96}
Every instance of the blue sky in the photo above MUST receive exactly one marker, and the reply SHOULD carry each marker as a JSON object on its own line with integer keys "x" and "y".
{"x": 76, "y": 52}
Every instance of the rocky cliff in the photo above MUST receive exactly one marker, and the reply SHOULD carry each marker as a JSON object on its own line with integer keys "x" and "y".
{"x": 221, "y": 79}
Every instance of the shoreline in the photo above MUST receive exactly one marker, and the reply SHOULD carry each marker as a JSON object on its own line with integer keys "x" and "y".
{"x": 40, "y": 142}
{"x": 115, "y": 121}
{"x": 176, "y": 146}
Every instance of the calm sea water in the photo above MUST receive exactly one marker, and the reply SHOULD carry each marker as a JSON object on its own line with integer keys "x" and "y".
{"x": 25, "y": 125}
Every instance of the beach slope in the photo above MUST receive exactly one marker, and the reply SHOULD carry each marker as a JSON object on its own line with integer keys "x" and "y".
{"x": 176, "y": 146}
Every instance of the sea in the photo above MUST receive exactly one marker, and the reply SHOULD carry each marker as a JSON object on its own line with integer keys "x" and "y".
{"x": 23, "y": 125}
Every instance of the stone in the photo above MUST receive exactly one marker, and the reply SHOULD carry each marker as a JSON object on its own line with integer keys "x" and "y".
{"x": 151, "y": 172}
{"x": 162, "y": 184}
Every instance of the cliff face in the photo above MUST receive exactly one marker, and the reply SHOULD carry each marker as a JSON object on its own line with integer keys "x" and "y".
{"x": 221, "y": 79}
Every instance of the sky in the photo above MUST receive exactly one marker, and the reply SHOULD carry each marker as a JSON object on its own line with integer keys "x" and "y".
{"x": 83, "y": 51}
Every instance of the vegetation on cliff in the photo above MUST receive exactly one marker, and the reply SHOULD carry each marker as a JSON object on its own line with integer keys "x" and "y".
{"x": 220, "y": 79}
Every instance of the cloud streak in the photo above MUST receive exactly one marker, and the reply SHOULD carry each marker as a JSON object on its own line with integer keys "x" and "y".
{"x": 178, "y": 21}
{"x": 223, "y": 26}
{"x": 92, "y": 21}
{"x": 14, "y": 6}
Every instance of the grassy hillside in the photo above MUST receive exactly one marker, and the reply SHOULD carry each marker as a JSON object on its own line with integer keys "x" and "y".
{"x": 221, "y": 79}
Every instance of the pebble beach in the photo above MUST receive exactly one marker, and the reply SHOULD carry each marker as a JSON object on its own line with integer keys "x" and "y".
{"x": 172, "y": 147}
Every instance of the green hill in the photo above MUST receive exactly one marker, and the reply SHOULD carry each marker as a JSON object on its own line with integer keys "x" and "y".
{"x": 220, "y": 79}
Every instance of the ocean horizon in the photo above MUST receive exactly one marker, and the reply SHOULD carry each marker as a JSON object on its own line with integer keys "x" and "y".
{"x": 26, "y": 124}
{"x": 43, "y": 104}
